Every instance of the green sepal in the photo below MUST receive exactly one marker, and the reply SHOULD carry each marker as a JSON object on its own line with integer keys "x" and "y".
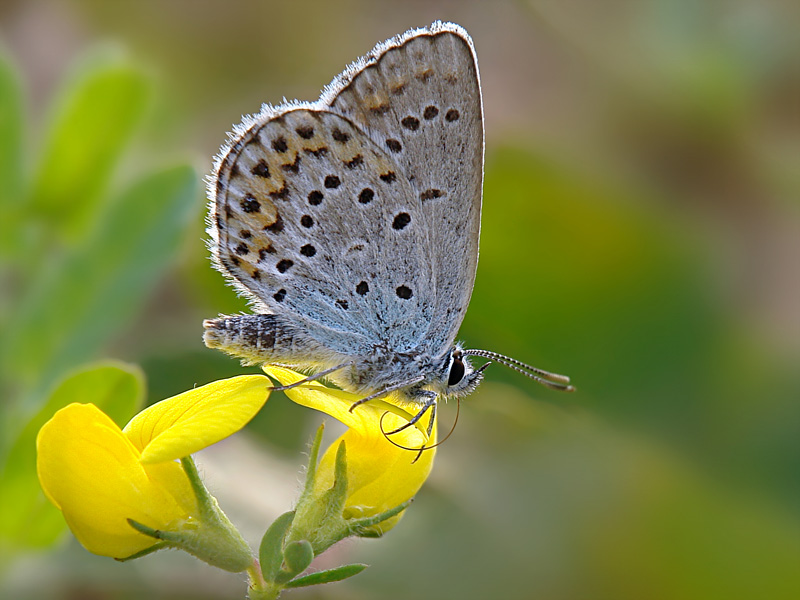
{"x": 373, "y": 533}
{"x": 364, "y": 527}
{"x": 328, "y": 576}
{"x": 318, "y": 517}
{"x": 216, "y": 540}
{"x": 270, "y": 552}
{"x": 337, "y": 495}
{"x": 313, "y": 459}
{"x": 146, "y": 551}
{"x": 170, "y": 538}
{"x": 211, "y": 537}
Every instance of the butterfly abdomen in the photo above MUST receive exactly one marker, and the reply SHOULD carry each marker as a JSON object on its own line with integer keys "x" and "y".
{"x": 263, "y": 339}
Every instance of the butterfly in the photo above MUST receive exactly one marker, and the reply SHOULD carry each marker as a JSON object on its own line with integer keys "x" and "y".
{"x": 352, "y": 223}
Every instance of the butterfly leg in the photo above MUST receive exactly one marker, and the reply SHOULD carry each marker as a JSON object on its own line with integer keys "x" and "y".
{"x": 314, "y": 377}
{"x": 386, "y": 392}
{"x": 428, "y": 404}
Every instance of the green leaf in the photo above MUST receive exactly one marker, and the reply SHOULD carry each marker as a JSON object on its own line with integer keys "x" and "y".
{"x": 27, "y": 519}
{"x": 11, "y": 164}
{"x": 115, "y": 387}
{"x": 270, "y": 552}
{"x": 329, "y": 576}
{"x": 101, "y": 107}
{"x": 94, "y": 292}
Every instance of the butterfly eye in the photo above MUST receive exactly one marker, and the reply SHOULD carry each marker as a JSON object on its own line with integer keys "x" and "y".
{"x": 456, "y": 372}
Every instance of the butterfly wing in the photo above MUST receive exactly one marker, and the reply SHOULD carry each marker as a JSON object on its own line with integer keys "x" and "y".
{"x": 307, "y": 210}
{"x": 357, "y": 217}
{"x": 418, "y": 98}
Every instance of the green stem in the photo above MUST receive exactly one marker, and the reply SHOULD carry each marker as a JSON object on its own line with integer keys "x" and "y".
{"x": 259, "y": 588}
{"x": 268, "y": 592}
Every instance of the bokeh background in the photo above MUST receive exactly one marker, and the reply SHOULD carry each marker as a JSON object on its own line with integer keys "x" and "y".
{"x": 641, "y": 233}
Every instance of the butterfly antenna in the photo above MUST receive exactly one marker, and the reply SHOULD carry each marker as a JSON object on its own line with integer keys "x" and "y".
{"x": 552, "y": 380}
{"x": 419, "y": 451}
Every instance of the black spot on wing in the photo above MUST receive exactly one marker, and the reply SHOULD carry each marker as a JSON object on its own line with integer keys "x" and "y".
{"x": 284, "y": 265}
{"x": 366, "y": 195}
{"x": 332, "y": 182}
{"x": 261, "y": 169}
{"x": 430, "y": 112}
{"x": 249, "y": 204}
{"x": 410, "y": 123}
{"x": 401, "y": 220}
{"x": 394, "y": 145}
{"x": 315, "y": 198}
{"x": 279, "y": 145}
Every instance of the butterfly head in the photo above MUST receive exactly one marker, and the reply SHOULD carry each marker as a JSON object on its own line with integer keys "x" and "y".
{"x": 459, "y": 377}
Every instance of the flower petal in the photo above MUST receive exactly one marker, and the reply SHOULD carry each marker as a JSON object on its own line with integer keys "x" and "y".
{"x": 337, "y": 403}
{"x": 193, "y": 420}
{"x": 380, "y": 474}
{"x": 92, "y": 473}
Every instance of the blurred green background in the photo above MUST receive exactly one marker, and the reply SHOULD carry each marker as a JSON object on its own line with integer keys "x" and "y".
{"x": 641, "y": 233}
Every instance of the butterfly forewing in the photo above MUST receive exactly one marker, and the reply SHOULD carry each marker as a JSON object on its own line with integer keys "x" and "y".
{"x": 418, "y": 98}
{"x": 307, "y": 210}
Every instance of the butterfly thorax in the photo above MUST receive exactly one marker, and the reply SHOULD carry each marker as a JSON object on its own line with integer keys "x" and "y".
{"x": 387, "y": 369}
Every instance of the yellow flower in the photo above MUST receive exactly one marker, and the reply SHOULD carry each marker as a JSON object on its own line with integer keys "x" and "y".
{"x": 100, "y": 476}
{"x": 380, "y": 475}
